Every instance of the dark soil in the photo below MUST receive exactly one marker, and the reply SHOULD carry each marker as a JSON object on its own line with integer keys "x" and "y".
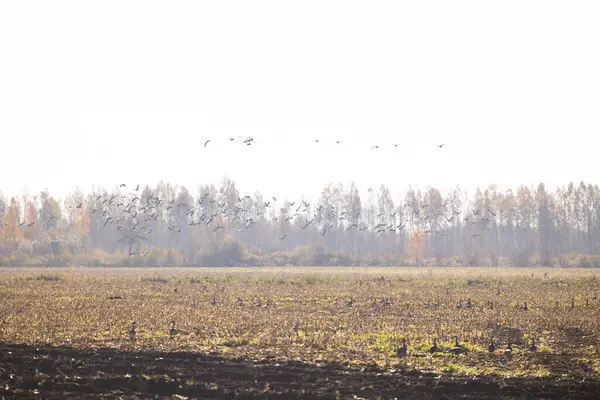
{"x": 62, "y": 373}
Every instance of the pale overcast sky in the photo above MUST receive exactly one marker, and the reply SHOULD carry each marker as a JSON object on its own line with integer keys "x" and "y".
{"x": 106, "y": 92}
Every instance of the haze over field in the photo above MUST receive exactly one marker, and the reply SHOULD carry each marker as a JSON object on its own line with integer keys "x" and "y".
{"x": 317, "y": 199}
{"x": 103, "y": 93}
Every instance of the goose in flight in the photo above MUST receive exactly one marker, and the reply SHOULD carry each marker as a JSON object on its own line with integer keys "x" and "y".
{"x": 441, "y": 145}
{"x": 205, "y": 143}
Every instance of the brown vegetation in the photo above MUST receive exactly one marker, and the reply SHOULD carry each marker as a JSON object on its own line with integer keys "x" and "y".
{"x": 354, "y": 318}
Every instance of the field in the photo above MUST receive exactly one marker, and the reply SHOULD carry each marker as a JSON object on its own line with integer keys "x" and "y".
{"x": 298, "y": 332}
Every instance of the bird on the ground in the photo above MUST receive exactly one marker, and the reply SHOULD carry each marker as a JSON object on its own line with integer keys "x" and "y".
{"x": 402, "y": 349}
{"x": 492, "y": 346}
{"x": 457, "y": 349}
{"x": 434, "y": 348}
{"x": 533, "y": 347}
{"x": 508, "y": 350}
{"x": 132, "y": 332}
{"x": 172, "y": 331}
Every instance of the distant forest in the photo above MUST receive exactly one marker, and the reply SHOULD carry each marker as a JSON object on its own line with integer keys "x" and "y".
{"x": 167, "y": 225}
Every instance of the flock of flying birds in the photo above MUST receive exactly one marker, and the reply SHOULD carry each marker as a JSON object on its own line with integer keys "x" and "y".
{"x": 134, "y": 216}
{"x": 249, "y": 140}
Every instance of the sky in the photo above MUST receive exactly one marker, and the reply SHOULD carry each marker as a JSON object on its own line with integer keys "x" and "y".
{"x": 103, "y": 93}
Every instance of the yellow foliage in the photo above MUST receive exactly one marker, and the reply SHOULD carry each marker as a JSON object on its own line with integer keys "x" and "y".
{"x": 11, "y": 230}
{"x": 32, "y": 227}
{"x": 83, "y": 224}
{"x": 415, "y": 245}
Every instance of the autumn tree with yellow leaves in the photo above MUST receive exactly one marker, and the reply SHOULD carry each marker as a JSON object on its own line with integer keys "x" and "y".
{"x": 11, "y": 231}
{"x": 415, "y": 245}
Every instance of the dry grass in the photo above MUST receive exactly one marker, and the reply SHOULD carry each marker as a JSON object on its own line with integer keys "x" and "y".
{"x": 304, "y": 314}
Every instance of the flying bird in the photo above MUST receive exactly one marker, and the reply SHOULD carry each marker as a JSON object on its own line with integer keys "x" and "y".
{"x": 205, "y": 143}
{"x": 441, "y": 145}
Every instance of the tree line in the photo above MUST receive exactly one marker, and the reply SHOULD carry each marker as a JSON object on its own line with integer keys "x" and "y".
{"x": 167, "y": 225}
